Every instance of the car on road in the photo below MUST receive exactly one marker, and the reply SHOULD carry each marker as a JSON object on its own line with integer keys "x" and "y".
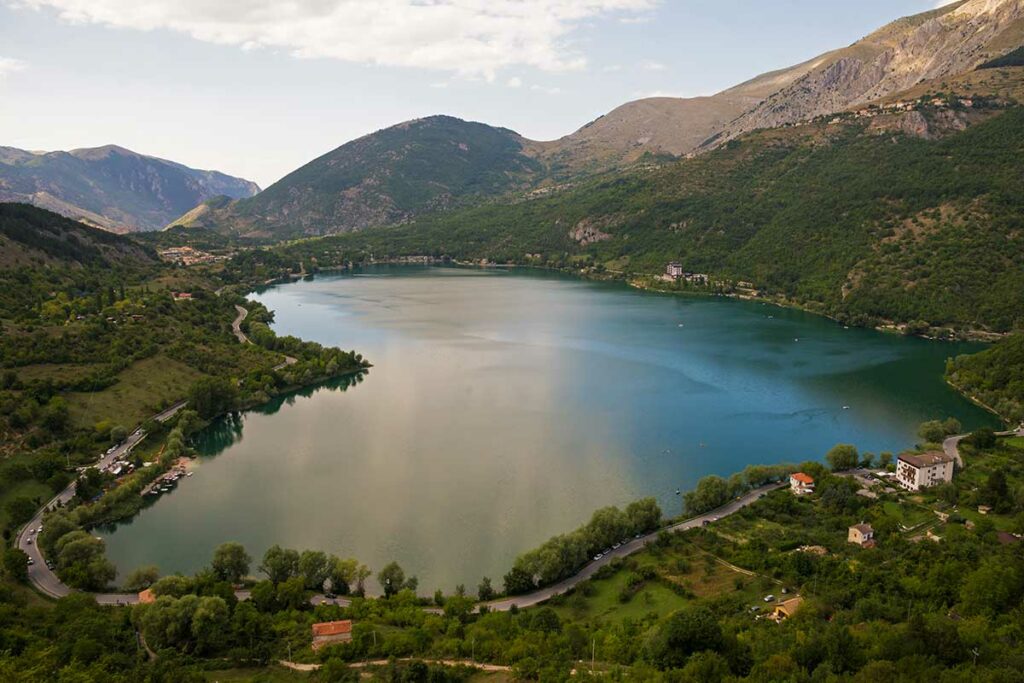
{"x": 598, "y": 556}
{"x": 606, "y": 551}
{"x": 616, "y": 546}
{"x": 31, "y": 561}
{"x": 28, "y": 541}
{"x": 637, "y": 536}
{"x": 50, "y": 565}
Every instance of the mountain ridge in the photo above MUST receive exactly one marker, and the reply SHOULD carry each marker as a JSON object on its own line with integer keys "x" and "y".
{"x": 111, "y": 187}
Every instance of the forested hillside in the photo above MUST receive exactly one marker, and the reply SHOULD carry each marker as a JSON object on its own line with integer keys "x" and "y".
{"x": 903, "y": 218}
{"x": 995, "y": 377}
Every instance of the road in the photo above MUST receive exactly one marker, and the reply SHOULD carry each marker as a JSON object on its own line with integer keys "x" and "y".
{"x": 39, "y": 574}
{"x": 625, "y": 550}
{"x": 236, "y": 327}
{"x": 951, "y": 446}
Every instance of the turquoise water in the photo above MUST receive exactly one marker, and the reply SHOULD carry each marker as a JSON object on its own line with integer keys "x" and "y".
{"x": 505, "y": 406}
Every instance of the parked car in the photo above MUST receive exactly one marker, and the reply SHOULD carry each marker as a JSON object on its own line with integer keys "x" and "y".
{"x": 769, "y": 598}
{"x": 598, "y": 557}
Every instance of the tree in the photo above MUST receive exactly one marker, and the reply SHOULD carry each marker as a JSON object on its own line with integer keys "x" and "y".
{"x": 142, "y": 578}
{"x": 935, "y": 431}
{"x": 279, "y": 564}
{"x": 118, "y": 433}
{"x": 996, "y": 492}
{"x": 690, "y": 630}
{"x": 984, "y": 438}
{"x": 315, "y": 568}
{"x": 884, "y": 459}
{"x": 485, "y": 591}
{"x": 842, "y": 457}
{"x": 391, "y": 578}
{"x": 711, "y": 492}
{"x": 16, "y": 564}
{"x": 230, "y": 562}
{"x": 20, "y": 510}
{"x": 644, "y": 515}
{"x": 211, "y": 396}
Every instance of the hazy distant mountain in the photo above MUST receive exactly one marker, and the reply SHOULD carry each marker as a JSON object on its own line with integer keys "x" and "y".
{"x": 111, "y": 187}
{"x": 386, "y": 177}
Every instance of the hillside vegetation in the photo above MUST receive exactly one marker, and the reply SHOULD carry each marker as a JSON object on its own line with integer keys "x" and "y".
{"x": 862, "y": 221}
{"x": 389, "y": 176}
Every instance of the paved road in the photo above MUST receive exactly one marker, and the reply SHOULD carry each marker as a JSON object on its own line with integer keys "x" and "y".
{"x": 951, "y": 446}
{"x": 625, "y": 550}
{"x": 39, "y": 574}
{"x": 236, "y": 327}
{"x": 236, "y": 324}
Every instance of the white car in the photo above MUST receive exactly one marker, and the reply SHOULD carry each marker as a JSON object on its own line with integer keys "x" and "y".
{"x": 598, "y": 557}
{"x": 769, "y": 598}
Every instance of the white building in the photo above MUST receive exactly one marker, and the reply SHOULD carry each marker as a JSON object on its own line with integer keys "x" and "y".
{"x": 674, "y": 269}
{"x": 915, "y": 472}
{"x": 801, "y": 484}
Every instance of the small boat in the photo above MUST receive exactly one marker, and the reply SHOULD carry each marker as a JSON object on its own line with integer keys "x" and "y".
{"x": 677, "y": 492}
{"x": 846, "y": 407}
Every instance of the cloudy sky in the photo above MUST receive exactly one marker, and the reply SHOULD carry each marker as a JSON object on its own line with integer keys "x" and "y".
{"x": 258, "y": 87}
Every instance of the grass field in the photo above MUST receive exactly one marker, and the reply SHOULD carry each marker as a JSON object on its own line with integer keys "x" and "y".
{"x": 59, "y": 372}
{"x": 140, "y": 391}
{"x": 1015, "y": 442}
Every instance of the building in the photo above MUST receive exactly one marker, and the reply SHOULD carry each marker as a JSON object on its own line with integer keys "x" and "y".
{"x": 862, "y": 535}
{"x": 801, "y": 484}
{"x": 786, "y": 608}
{"x": 331, "y": 632}
{"x": 915, "y": 472}
{"x": 674, "y": 269}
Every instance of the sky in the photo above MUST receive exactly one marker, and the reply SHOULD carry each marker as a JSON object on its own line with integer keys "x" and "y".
{"x": 256, "y": 88}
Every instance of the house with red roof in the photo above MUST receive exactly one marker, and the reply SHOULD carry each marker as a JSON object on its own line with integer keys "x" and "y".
{"x": 331, "y": 632}
{"x": 801, "y": 484}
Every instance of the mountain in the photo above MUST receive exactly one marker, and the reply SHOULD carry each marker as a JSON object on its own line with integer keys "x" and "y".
{"x": 389, "y": 176}
{"x": 30, "y": 236}
{"x": 111, "y": 187}
{"x": 943, "y": 42}
{"x": 905, "y": 215}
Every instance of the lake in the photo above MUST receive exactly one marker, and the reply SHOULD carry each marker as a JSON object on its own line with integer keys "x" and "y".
{"x": 505, "y": 406}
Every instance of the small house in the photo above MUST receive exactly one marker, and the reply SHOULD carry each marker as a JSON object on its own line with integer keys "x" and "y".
{"x": 674, "y": 269}
{"x": 786, "y": 608}
{"x": 862, "y": 535}
{"x": 331, "y": 632}
{"x": 801, "y": 484}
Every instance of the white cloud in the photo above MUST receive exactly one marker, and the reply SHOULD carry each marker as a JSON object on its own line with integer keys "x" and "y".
{"x": 546, "y": 90}
{"x": 9, "y": 65}
{"x": 471, "y": 37}
{"x": 515, "y": 82}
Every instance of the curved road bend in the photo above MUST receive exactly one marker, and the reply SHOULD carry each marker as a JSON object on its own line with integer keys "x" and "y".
{"x": 236, "y": 327}
{"x": 39, "y": 574}
{"x": 951, "y": 446}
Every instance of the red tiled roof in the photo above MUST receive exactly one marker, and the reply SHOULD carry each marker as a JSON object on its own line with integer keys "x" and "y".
{"x": 147, "y": 596}
{"x": 332, "y": 628}
{"x": 802, "y": 478}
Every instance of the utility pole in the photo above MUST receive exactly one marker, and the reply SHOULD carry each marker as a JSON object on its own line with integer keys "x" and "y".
{"x": 593, "y": 653}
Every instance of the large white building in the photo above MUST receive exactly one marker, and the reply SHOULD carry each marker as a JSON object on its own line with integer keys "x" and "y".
{"x": 915, "y": 472}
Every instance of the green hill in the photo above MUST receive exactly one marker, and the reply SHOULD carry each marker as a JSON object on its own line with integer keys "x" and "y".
{"x": 430, "y": 164}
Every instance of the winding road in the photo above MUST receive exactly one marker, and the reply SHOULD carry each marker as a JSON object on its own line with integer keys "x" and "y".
{"x": 951, "y": 446}
{"x": 38, "y": 573}
{"x": 236, "y": 327}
